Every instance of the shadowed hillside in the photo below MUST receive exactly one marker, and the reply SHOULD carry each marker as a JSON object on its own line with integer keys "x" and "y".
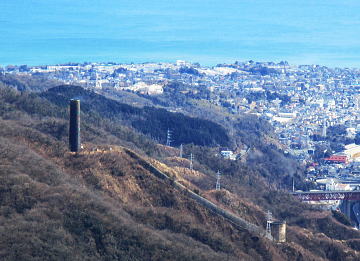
{"x": 148, "y": 120}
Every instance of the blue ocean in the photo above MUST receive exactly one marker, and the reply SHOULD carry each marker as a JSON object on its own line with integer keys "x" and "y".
{"x": 38, "y": 32}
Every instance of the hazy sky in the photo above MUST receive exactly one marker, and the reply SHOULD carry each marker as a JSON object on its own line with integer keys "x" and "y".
{"x": 209, "y": 32}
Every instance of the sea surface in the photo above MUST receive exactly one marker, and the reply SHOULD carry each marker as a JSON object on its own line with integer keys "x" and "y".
{"x": 37, "y": 32}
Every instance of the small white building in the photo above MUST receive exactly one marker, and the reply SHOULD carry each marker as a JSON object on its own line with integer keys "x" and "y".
{"x": 228, "y": 154}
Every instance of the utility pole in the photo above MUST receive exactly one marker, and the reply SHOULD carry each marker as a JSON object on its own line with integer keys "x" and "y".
{"x": 218, "y": 176}
{"x": 168, "y": 138}
{"x": 181, "y": 150}
{"x": 191, "y": 161}
{"x": 293, "y": 185}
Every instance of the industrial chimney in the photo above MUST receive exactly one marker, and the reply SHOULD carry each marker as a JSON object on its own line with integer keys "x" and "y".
{"x": 278, "y": 230}
{"x": 74, "y": 129}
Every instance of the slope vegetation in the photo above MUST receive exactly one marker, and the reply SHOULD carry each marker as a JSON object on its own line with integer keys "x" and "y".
{"x": 151, "y": 121}
{"x": 105, "y": 203}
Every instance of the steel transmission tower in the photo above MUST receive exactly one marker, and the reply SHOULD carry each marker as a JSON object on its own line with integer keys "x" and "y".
{"x": 218, "y": 176}
{"x": 324, "y": 130}
{"x": 191, "y": 161}
{"x": 269, "y": 220}
{"x": 97, "y": 81}
{"x": 168, "y": 138}
{"x": 293, "y": 185}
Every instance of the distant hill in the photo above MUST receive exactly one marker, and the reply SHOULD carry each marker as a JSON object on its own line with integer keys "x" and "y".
{"x": 28, "y": 83}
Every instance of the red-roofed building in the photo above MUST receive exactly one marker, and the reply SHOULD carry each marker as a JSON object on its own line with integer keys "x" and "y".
{"x": 337, "y": 159}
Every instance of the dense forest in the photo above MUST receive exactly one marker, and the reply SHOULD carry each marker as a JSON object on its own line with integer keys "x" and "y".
{"x": 105, "y": 203}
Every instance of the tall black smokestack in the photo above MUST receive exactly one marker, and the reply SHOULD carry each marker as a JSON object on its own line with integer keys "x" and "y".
{"x": 74, "y": 129}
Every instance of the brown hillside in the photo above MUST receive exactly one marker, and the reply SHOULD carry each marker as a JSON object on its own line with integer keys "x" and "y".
{"x": 109, "y": 202}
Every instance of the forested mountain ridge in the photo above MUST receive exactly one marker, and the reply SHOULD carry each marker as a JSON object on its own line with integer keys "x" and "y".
{"x": 104, "y": 204}
{"x": 148, "y": 120}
